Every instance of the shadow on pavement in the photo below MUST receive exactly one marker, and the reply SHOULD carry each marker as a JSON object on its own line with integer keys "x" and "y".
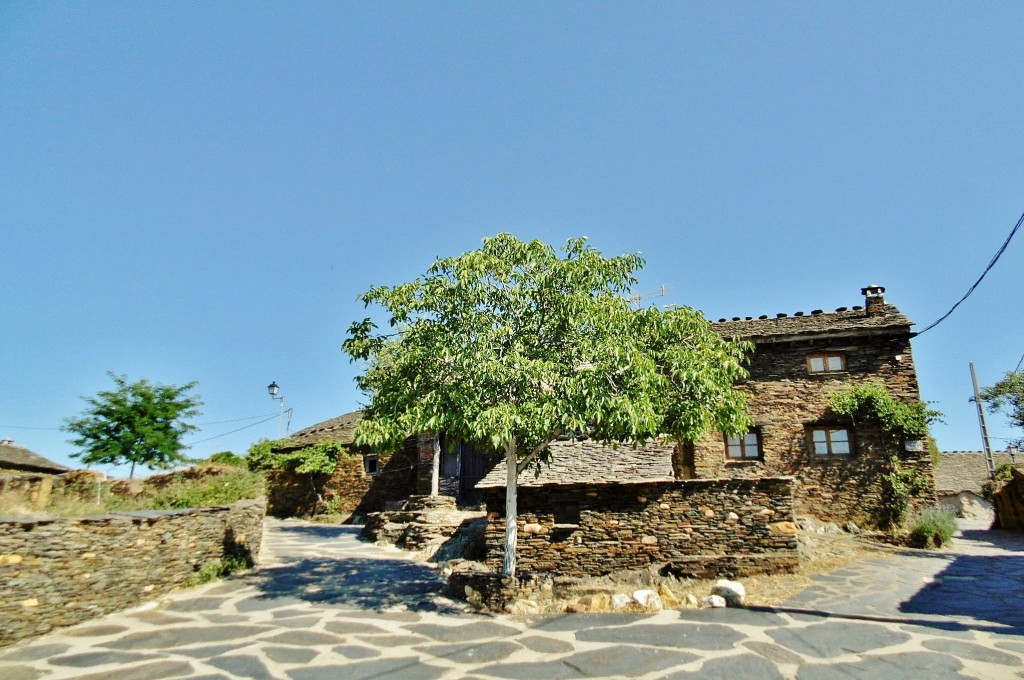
{"x": 1012, "y": 541}
{"x": 353, "y": 583}
{"x": 984, "y": 587}
{"x": 946, "y": 625}
{"x": 319, "y": 530}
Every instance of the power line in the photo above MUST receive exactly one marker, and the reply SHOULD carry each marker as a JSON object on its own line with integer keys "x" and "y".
{"x": 238, "y": 420}
{"x": 215, "y": 422}
{"x": 970, "y": 290}
{"x": 1019, "y": 363}
{"x": 218, "y": 436}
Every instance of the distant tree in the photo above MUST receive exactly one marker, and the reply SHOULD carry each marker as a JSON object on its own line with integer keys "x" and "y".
{"x": 1007, "y": 396}
{"x": 138, "y": 422}
{"x": 513, "y": 346}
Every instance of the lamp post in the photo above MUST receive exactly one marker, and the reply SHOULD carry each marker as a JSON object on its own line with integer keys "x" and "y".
{"x": 282, "y": 426}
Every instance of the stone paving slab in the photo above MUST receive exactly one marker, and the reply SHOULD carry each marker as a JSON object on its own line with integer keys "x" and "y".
{"x": 325, "y": 605}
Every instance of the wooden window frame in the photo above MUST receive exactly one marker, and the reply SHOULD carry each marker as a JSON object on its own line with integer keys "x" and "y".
{"x": 825, "y": 356}
{"x": 375, "y": 459}
{"x": 828, "y": 430}
{"x": 729, "y": 458}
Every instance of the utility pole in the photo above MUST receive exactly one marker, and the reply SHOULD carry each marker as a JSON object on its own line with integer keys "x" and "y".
{"x": 984, "y": 427}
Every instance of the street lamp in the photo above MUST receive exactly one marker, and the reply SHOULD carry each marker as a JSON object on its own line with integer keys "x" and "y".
{"x": 282, "y": 426}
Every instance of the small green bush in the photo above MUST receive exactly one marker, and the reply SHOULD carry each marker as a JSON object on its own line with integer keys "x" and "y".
{"x": 215, "y": 569}
{"x": 933, "y": 528}
{"x": 227, "y": 458}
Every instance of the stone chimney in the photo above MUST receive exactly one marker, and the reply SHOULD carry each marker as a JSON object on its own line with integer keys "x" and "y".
{"x": 874, "y": 299}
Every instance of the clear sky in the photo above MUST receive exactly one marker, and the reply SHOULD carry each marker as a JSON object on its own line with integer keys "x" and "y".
{"x": 199, "y": 191}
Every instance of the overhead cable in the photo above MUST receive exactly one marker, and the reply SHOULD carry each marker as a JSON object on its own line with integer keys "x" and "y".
{"x": 970, "y": 290}
{"x": 218, "y": 436}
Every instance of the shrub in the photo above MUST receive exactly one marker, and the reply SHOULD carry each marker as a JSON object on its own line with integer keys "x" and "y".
{"x": 933, "y": 528}
{"x": 215, "y": 569}
{"x": 897, "y": 488}
{"x": 220, "y": 489}
{"x": 873, "y": 402}
{"x": 227, "y": 458}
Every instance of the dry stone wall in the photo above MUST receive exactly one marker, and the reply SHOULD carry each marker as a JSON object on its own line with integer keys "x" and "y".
{"x": 1009, "y": 502}
{"x": 62, "y": 571}
{"x": 694, "y": 528}
{"x": 25, "y": 489}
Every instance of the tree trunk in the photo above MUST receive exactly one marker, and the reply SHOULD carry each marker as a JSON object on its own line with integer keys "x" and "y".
{"x": 131, "y": 474}
{"x": 435, "y": 467}
{"x": 511, "y": 518}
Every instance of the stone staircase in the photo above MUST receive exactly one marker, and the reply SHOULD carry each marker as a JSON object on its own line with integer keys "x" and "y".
{"x": 422, "y": 522}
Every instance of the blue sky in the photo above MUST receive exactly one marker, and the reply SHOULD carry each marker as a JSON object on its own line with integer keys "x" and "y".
{"x": 199, "y": 191}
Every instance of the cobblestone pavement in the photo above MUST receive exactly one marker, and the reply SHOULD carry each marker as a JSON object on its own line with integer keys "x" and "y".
{"x": 325, "y": 605}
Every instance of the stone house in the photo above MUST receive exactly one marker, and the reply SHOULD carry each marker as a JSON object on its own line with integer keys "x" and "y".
{"x": 366, "y": 480}
{"x": 18, "y": 459}
{"x": 26, "y": 478}
{"x": 726, "y": 504}
{"x": 797, "y": 362}
{"x": 959, "y": 477}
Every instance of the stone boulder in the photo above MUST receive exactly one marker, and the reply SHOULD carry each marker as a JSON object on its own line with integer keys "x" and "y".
{"x": 732, "y": 592}
{"x": 713, "y": 601}
{"x": 648, "y": 599}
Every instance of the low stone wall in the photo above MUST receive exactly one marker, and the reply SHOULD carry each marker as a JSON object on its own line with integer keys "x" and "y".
{"x": 703, "y": 528}
{"x": 59, "y": 571}
{"x": 25, "y": 489}
{"x": 494, "y": 592}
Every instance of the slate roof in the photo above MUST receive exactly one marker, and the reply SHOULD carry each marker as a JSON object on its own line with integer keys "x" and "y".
{"x": 842, "y": 322}
{"x": 18, "y": 457}
{"x": 966, "y": 470}
{"x": 590, "y": 462}
{"x": 338, "y": 429}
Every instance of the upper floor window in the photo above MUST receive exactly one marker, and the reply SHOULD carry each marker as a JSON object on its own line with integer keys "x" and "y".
{"x": 831, "y": 362}
{"x": 830, "y": 441}
{"x": 747, "y": 447}
{"x": 371, "y": 464}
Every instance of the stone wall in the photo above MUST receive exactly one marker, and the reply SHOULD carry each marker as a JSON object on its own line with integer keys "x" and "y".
{"x": 1009, "y": 502}
{"x": 62, "y": 571}
{"x": 695, "y": 528}
{"x": 785, "y": 398}
{"x": 349, "y": 489}
{"x": 27, "y": 490}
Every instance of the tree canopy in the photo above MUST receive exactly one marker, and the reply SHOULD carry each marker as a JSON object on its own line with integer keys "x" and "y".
{"x": 1007, "y": 396}
{"x": 513, "y": 345}
{"x": 138, "y": 422}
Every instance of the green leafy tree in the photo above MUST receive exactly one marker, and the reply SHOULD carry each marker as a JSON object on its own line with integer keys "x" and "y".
{"x": 1007, "y": 396}
{"x": 137, "y": 422}
{"x": 513, "y": 345}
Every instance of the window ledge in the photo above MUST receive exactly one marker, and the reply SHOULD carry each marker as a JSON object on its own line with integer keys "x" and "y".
{"x": 753, "y": 462}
